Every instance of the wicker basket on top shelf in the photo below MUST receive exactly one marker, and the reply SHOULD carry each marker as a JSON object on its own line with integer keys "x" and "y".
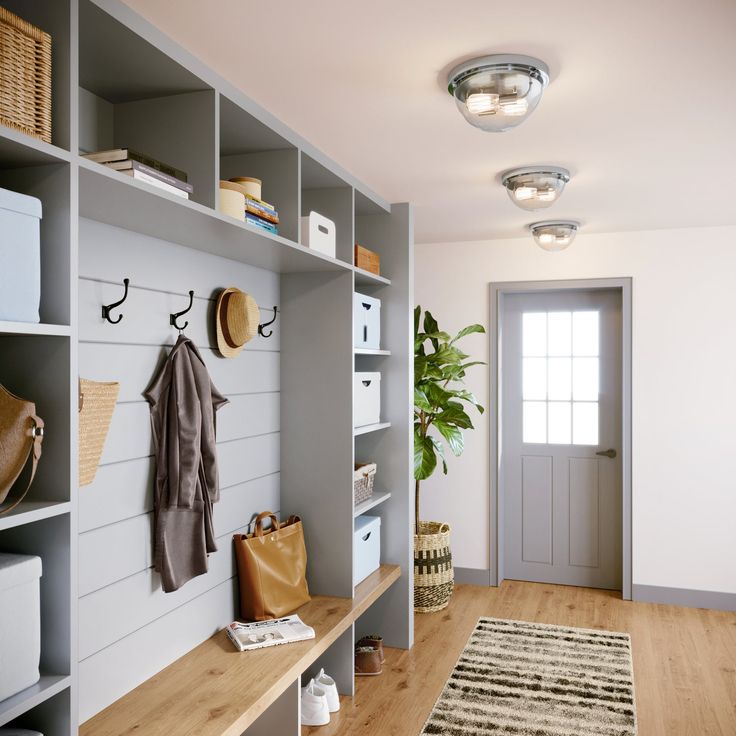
{"x": 363, "y": 478}
{"x": 25, "y": 76}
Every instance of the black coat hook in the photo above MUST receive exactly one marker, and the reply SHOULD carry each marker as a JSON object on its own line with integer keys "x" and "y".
{"x": 174, "y": 317}
{"x": 261, "y": 331}
{"x": 107, "y": 307}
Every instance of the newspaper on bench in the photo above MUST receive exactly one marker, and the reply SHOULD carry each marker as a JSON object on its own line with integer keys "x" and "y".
{"x": 268, "y": 633}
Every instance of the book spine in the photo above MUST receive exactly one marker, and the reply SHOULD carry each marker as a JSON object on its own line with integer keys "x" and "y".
{"x": 164, "y": 177}
{"x": 157, "y": 165}
{"x": 260, "y": 203}
{"x": 252, "y": 220}
{"x": 260, "y": 212}
{"x": 153, "y": 181}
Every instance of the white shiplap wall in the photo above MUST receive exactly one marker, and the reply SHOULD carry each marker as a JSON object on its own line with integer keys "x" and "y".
{"x": 122, "y": 611}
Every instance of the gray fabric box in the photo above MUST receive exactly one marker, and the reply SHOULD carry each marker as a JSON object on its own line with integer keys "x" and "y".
{"x": 20, "y": 622}
{"x": 20, "y": 257}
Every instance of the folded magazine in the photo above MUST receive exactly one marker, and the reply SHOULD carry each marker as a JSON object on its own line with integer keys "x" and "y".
{"x": 268, "y": 633}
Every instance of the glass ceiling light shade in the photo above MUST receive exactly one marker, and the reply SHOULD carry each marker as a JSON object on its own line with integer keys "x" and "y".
{"x": 554, "y": 235}
{"x": 498, "y": 92}
{"x": 535, "y": 187}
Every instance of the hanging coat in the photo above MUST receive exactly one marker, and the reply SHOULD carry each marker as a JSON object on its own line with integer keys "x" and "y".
{"x": 183, "y": 405}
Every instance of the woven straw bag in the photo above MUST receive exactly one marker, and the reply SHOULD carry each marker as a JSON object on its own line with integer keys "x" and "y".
{"x": 433, "y": 573}
{"x": 96, "y": 405}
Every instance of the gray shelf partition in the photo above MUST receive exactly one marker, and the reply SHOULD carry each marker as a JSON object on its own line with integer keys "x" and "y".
{"x": 118, "y": 81}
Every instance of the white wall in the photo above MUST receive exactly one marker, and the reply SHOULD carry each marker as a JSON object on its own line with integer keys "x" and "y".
{"x": 684, "y": 389}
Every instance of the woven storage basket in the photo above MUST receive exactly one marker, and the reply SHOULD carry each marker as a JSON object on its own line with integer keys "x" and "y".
{"x": 25, "y": 76}
{"x": 363, "y": 478}
{"x": 96, "y": 404}
{"x": 433, "y": 573}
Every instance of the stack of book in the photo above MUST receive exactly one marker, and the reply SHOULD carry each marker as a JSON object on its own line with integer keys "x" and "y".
{"x": 144, "y": 168}
{"x": 261, "y": 214}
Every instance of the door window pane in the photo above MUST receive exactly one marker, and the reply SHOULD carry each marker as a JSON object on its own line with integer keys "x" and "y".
{"x": 559, "y": 338}
{"x": 559, "y": 429}
{"x": 559, "y": 379}
{"x": 535, "y": 421}
{"x": 585, "y": 423}
{"x": 535, "y": 379}
{"x": 585, "y": 379}
{"x": 534, "y": 334}
{"x": 585, "y": 333}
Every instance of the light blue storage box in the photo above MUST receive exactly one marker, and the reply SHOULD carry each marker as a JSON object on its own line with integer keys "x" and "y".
{"x": 20, "y": 257}
{"x": 366, "y": 547}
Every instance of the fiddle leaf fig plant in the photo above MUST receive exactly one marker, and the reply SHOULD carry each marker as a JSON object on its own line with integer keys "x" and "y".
{"x": 440, "y": 400}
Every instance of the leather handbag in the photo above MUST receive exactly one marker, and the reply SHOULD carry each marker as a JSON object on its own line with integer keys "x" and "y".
{"x": 272, "y": 568}
{"x": 21, "y": 435}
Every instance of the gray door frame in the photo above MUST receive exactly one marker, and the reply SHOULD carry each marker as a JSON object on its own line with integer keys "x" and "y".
{"x": 497, "y": 292}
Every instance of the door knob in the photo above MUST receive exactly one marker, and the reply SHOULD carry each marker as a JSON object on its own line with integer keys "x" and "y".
{"x": 607, "y": 453}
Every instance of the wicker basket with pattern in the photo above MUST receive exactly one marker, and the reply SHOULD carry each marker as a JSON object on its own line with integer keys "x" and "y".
{"x": 96, "y": 405}
{"x": 25, "y": 76}
{"x": 363, "y": 478}
{"x": 433, "y": 573}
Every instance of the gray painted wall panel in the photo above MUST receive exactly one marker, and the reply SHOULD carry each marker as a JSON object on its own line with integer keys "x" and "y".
{"x": 123, "y": 610}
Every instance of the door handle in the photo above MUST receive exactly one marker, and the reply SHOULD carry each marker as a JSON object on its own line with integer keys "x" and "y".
{"x": 607, "y": 453}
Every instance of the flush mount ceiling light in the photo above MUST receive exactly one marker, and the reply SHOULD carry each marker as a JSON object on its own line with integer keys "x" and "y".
{"x": 498, "y": 92}
{"x": 535, "y": 187}
{"x": 554, "y": 235}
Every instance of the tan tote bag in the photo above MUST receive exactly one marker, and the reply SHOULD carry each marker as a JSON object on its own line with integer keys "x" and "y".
{"x": 21, "y": 435}
{"x": 272, "y": 568}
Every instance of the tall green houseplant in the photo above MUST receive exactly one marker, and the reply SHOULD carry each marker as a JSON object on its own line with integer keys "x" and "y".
{"x": 440, "y": 416}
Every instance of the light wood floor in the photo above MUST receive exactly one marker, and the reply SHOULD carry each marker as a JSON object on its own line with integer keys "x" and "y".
{"x": 684, "y": 660}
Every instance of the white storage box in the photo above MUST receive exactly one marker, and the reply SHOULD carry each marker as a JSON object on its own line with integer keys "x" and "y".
{"x": 20, "y": 257}
{"x": 366, "y": 547}
{"x": 366, "y": 398}
{"x": 20, "y": 622}
{"x": 318, "y": 233}
{"x": 366, "y": 322}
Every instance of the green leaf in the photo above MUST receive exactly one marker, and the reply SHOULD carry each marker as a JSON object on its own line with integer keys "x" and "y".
{"x": 437, "y": 395}
{"x": 425, "y": 459}
{"x": 453, "y": 435}
{"x": 430, "y": 325}
{"x": 454, "y": 413}
{"x": 417, "y": 315}
{"x": 446, "y": 355}
{"x": 468, "y": 331}
{"x": 420, "y": 400}
{"x": 441, "y": 453}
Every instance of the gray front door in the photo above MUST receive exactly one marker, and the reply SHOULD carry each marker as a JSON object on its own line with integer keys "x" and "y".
{"x": 560, "y": 409}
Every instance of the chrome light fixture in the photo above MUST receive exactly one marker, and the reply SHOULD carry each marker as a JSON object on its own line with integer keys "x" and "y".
{"x": 554, "y": 235}
{"x": 535, "y": 187}
{"x": 498, "y": 92}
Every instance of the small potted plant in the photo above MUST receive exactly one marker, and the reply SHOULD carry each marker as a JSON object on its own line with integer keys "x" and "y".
{"x": 440, "y": 400}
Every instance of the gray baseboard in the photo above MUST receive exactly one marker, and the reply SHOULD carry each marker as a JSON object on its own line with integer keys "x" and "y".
{"x": 685, "y": 597}
{"x": 472, "y": 576}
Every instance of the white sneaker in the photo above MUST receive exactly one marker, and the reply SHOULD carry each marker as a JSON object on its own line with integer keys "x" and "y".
{"x": 314, "y": 706}
{"x": 326, "y": 683}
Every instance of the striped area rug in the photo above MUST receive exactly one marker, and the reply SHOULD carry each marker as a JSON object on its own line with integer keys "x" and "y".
{"x": 523, "y": 679}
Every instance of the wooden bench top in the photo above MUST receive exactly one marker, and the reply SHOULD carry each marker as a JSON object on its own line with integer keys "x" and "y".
{"x": 214, "y": 690}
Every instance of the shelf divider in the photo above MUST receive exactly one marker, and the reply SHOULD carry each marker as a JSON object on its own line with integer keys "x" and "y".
{"x": 27, "y": 512}
{"x": 22, "y": 702}
{"x": 357, "y": 431}
{"x": 377, "y": 498}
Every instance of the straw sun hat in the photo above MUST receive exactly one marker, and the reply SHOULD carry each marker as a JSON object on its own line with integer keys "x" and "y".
{"x": 237, "y": 317}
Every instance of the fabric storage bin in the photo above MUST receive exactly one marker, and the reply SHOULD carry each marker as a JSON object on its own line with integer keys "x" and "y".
{"x": 20, "y": 622}
{"x": 366, "y": 398}
{"x": 318, "y": 233}
{"x": 20, "y": 256}
{"x": 366, "y": 547}
{"x": 366, "y": 322}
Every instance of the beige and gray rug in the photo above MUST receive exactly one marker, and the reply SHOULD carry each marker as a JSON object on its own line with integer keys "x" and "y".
{"x": 523, "y": 679}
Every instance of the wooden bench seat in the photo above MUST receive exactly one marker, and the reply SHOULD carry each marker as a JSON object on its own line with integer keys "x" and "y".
{"x": 214, "y": 690}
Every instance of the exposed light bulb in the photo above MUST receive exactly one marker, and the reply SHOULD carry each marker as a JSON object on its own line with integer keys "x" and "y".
{"x": 554, "y": 235}
{"x": 546, "y": 238}
{"x": 514, "y": 106}
{"x": 482, "y": 103}
{"x": 523, "y": 193}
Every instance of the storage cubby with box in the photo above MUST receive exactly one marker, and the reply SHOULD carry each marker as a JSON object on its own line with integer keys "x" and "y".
{"x": 249, "y": 149}
{"x": 142, "y": 116}
{"x": 327, "y": 210}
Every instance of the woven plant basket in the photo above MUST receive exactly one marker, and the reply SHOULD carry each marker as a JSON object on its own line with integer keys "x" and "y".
{"x": 96, "y": 405}
{"x": 433, "y": 573}
{"x": 363, "y": 479}
{"x": 25, "y": 77}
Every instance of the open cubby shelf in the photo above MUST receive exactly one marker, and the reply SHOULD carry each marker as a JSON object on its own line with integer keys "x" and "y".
{"x": 120, "y": 82}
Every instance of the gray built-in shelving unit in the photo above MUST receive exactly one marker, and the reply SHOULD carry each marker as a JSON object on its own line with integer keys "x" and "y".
{"x": 118, "y": 81}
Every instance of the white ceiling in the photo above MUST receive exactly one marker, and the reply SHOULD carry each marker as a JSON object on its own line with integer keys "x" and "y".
{"x": 641, "y": 107}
